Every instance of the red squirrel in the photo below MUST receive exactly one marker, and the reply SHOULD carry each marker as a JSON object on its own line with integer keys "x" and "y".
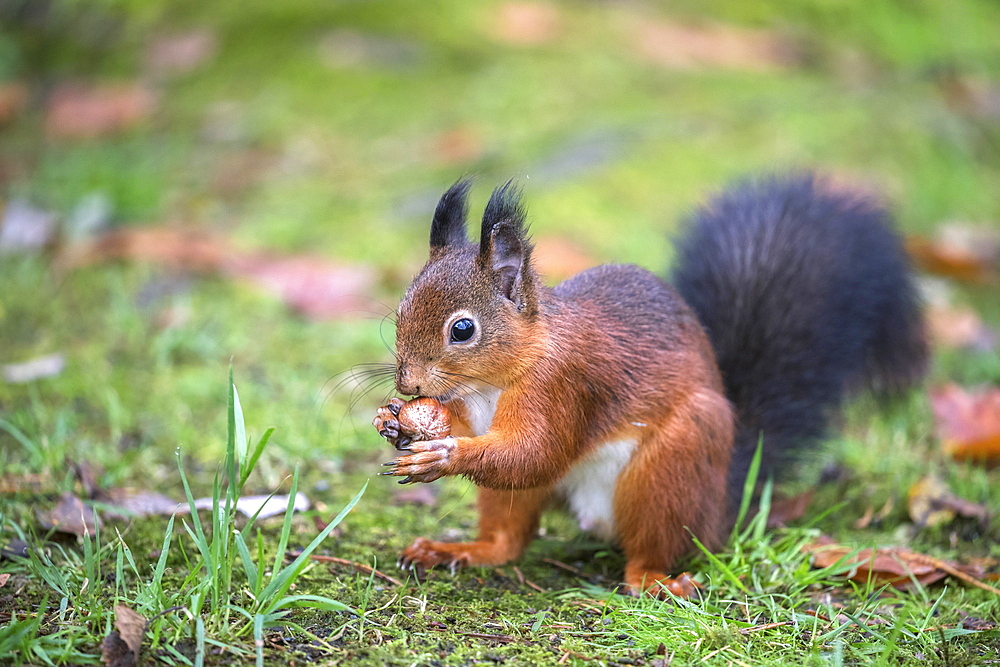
{"x": 635, "y": 404}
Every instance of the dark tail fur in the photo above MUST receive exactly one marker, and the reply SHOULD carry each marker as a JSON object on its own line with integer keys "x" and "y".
{"x": 806, "y": 295}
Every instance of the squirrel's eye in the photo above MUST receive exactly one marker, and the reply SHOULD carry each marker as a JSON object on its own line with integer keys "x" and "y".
{"x": 462, "y": 330}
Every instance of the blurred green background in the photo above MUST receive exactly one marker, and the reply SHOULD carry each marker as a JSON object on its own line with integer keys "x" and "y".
{"x": 330, "y": 129}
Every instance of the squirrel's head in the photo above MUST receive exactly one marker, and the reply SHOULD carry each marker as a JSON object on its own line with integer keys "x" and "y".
{"x": 470, "y": 313}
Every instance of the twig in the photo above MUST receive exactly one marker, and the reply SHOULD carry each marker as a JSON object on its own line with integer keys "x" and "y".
{"x": 766, "y": 626}
{"x": 565, "y": 566}
{"x": 527, "y": 582}
{"x": 506, "y": 639}
{"x": 958, "y": 574}
{"x": 360, "y": 567}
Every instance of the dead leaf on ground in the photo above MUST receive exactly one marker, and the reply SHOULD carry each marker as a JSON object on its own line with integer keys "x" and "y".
{"x": 181, "y": 53}
{"x": 559, "y": 258}
{"x": 313, "y": 286}
{"x": 77, "y": 111}
{"x": 424, "y": 495}
{"x": 789, "y": 508}
{"x": 953, "y": 326}
{"x": 931, "y": 503}
{"x": 459, "y": 145}
{"x": 122, "y": 646}
{"x": 526, "y": 23}
{"x": 684, "y": 46}
{"x": 959, "y": 251}
{"x": 69, "y": 515}
{"x": 13, "y": 99}
{"x": 3, "y": 578}
{"x": 25, "y": 228}
{"x": 38, "y": 368}
{"x": 130, "y": 503}
{"x": 263, "y": 506}
{"x": 895, "y": 566}
{"x": 973, "y": 96}
{"x": 968, "y": 422}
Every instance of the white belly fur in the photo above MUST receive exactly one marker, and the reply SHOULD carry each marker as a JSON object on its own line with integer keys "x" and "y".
{"x": 589, "y": 486}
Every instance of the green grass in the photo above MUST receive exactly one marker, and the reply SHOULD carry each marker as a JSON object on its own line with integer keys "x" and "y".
{"x": 612, "y": 150}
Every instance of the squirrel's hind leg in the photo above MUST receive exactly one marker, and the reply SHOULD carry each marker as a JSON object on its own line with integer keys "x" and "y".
{"x": 674, "y": 486}
{"x": 508, "y": 521}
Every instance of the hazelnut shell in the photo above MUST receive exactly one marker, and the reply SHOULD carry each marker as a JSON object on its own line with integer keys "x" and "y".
{"x": 424, "y": 419}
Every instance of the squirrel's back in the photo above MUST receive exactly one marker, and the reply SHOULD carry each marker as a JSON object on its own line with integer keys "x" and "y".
{"x": 806, "y": 295}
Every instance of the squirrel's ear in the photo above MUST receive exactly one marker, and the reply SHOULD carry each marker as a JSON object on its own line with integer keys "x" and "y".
{"x": 448, "y": 226}
{"x": 504, "y": 245}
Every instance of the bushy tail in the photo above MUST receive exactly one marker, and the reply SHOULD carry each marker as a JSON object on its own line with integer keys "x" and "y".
{"x": 806, "y": 295}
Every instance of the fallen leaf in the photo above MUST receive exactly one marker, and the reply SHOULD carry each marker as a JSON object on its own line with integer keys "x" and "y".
{"x": 424, "y": 495}
{"x": 526, "y": 23}
{"x": 684, "y": 46}
{"x": 266, "y": 505}
{"x": 70, "y": 515}
{"x": 560, "y": 258}
{"x": 24, "y": 228}
{"x": 931, "y": 503}
{"x": 458, "y": 146}
{"x": 968, "y": 423}
{"x": 960, "y": 252}
{"x": 13, "y": 99}
{"x": 121, "y": 647}
{"x": 126, "y": 503}
{"x": 313, "y": 286}
{"x": 973, "y": 96}
{"x": 952, "y": 326}
{"x": 790, "y": 508}
{"x": 3, "y": 578}
{"x": 34, "y": 369}
{"x": 894, "y": 566}
{"x": 77, "y": 111}
{"x": 182, "y": 52}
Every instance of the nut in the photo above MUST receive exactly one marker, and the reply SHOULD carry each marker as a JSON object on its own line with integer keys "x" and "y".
{"x": 424, "y": 419}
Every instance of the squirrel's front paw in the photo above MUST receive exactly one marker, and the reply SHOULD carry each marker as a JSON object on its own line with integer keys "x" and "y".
{"x": 428, "y": 460}
{"x": 386, "y": 422}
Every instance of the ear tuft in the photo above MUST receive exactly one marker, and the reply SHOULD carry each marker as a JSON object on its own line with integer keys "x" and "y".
{"x": 504, "y": 209}
{"x": 448, "y": 226}
{"x": 504, "y": 244}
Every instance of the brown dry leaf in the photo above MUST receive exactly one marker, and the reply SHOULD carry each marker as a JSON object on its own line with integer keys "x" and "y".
{"x": 895, "y": 566}
{"x": 527, "y": 23}
{"x": 559, "y": 258}
{"x": 424, "y": 495}
{"x": 126, "y": 503}
{"x": 182, "y": 52}
{"x": 952, "y": 326}
{"x": 888, "y": 565}
{"x": 683, "y": 46}
{"x": 313, "y": 286}
{"x": 970, "y": 254}
{"x": 13, "y": 99}
{"x": 76, "y": 111}
{"x": 788, "y": 509}
{"x": 69, "y": 515}
{"x": 973, "y": 96}
{"x": 458, "y": 146}
{"x": 121, "y": 647}
{"x": 931, "y": 503}
{"x": 3, "y": 578}
{"x": 968, "y": 423}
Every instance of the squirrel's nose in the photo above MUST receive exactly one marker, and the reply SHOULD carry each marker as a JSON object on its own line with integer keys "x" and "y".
{"x": 404, "y": 383}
